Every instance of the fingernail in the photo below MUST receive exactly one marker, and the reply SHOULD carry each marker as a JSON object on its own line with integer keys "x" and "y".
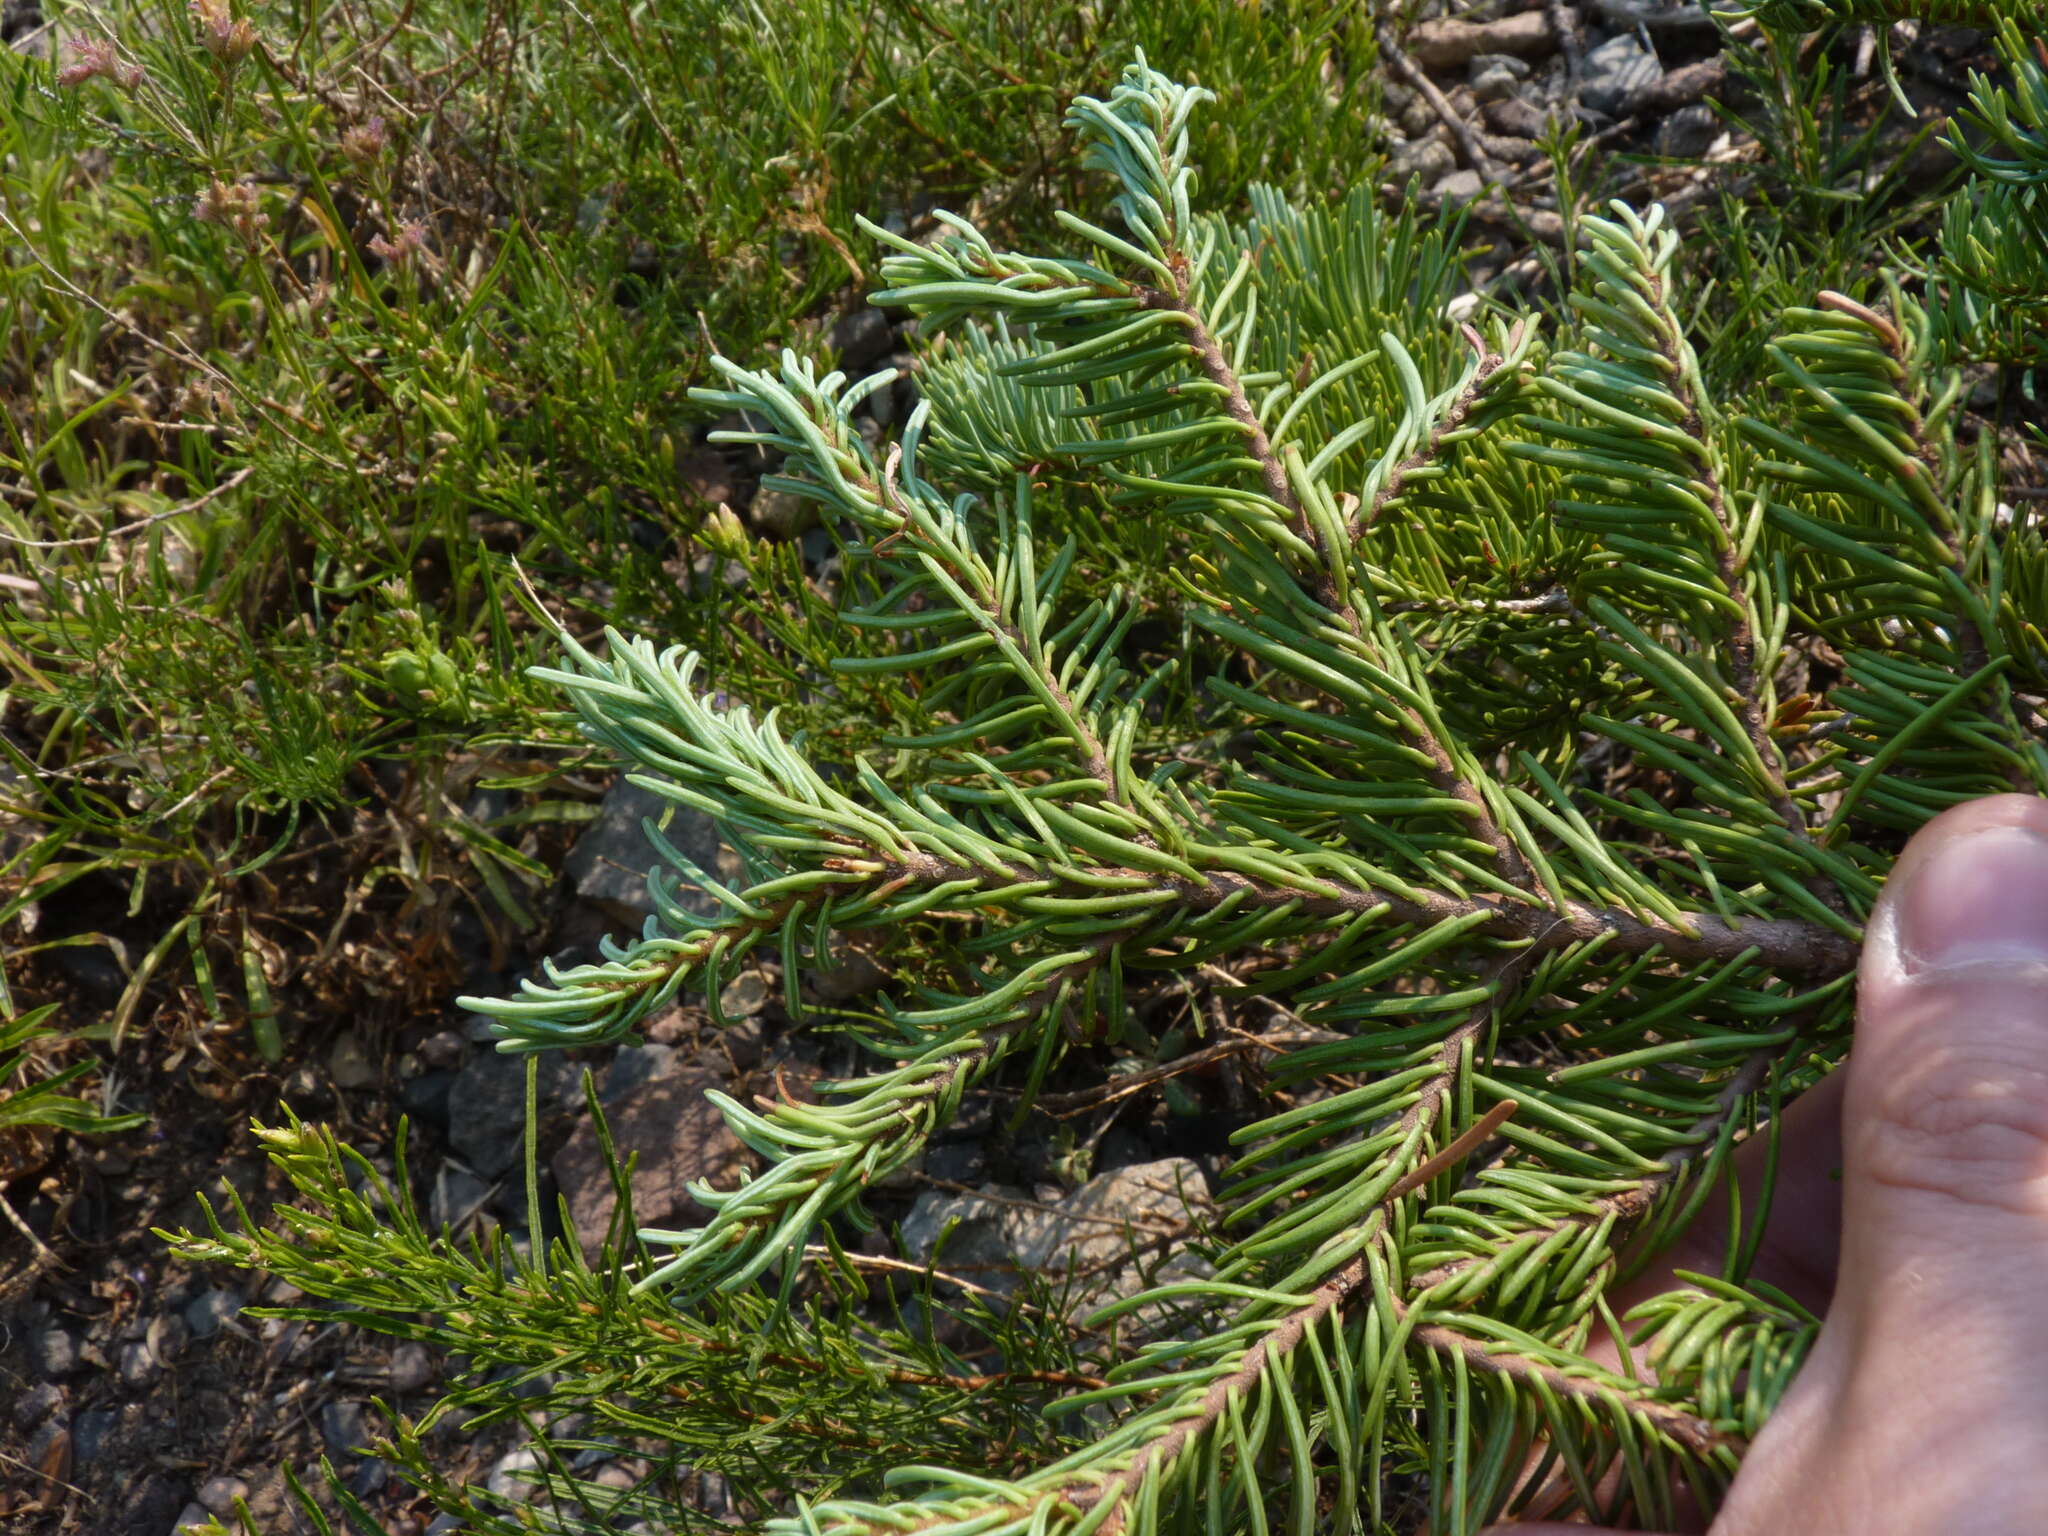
{"x": 1981, "y": 897}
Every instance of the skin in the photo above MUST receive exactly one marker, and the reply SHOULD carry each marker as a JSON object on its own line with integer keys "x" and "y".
{"x": 1923, "y": 1408}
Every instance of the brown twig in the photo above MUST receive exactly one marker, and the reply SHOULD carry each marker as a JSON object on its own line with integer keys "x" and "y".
{"x": 130, "y": 529}
{"x": 1411, "y": 75}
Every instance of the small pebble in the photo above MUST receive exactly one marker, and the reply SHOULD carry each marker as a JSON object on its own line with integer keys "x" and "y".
{"x": 137, "y": 1364}
{"x": 512, "y": 1477}
{"x": 53, "y": 1352}
{"x": 1459, "y": 187}
{"x": 349, "y": 1063}
{"x": 744, "y": 996}
{"x": 344, "y": 1428}
{"x": 208, "y": 1312}
{"x": 218, "y": 1494}
{"x": 411, "y": 1367}
{"x": 90, "y": 1432}
{"x": 191, "y": 1518}
{"x": 443, "y": 1048}
{"x": 36, "y": 1403}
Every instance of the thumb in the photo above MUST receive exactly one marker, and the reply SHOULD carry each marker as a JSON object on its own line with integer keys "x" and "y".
{"x": 1945, "y": 1120}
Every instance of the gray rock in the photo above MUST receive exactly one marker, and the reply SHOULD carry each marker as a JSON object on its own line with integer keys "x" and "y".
{"x": 218, "y": 1494}
{"x": 744, "y": 996}
{"x": 1414, "y": 114}
{"x": 167, "y": 1333}
{"x": 446, "y": 1525}
{"x": 443, "y": 1048}
{"x": 861, "y": 338}
{"x": 191, "y": 1518}
{"x": 1494, "y": 85}
{"x": 1616, "y": 72}
{"x": 344, "y": 1428}
{"x": 1515, "y": 118}
{"x": 491, "y": 1091}
{"x": 677, "y": 1135}
{"x": 964, "y": 1235}
{"x": 1487, "y": 63}
{"x": 515, "y": 1475}
{"x": 1459, "y": 187}
{"x": 1105, "y": 1217}
{"x": 894, "y": 402}
{"x": 210, "y": 1311}
{"x": 349, "y": 1064}
{"x": 1688, "y": 133}
{"x": 426, "y": 1097}
{"x": 137, "y": 1364}
{"x": 53, "y": 1352}
{"x": 957, "y": 1162}
{"x": 780, "y": 514}
{"x": 852, "y": 973}
{"x": 1107, "y": 1236}
{"x": 36, "y": 1403}
{"x": 1425, "y": 158}
{"x": 410, "y": 1367}
{"x": 150, "y": 1505}
{"x": 458, "y": 1195}
{"x": 633, "y": 1066}
{"x": 608, "y": 865}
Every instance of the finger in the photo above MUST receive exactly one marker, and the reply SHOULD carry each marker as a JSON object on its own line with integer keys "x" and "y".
{"x": 1802, "y": 1239}
{"x": 1945, "y": 1150}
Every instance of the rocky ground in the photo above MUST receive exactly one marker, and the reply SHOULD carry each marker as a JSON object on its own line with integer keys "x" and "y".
{"x": 137, "y": 1394}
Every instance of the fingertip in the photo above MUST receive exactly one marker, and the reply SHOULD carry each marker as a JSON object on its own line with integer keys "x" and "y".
{"x": 1970, "y": 891}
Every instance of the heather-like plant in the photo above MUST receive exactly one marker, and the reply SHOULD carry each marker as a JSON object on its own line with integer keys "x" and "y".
{"x": 1533, "y": 723}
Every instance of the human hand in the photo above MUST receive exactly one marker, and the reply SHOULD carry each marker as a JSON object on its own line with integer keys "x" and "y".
{"x": 1923, "y": 1407}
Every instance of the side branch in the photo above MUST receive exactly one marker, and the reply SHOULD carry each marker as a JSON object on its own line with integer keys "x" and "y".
{"x": 1785, "y": 945}
{"x": 1236, "y": 404}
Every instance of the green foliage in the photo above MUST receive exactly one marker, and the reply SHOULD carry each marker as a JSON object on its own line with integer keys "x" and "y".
{"x": 311, "y": 326}
{"x": 29, "y": 1097}
{"x": 586, "y": 1361}
{"x": 1994, "y": 239}
{"x": 1533, "y": 712}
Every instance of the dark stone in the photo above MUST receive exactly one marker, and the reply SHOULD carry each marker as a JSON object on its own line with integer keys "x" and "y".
{"x": 677, "y": 1136}
{"x": 861, "y": 338}
{"x": 958, "y": 1162}
{"x": 425, "y": 1098}
{"x": 1616, "y": 72}
{"x": 491, "y": 1088}
{"x": 36, "y": 1403}
{"x": 153, "y": 1503}
{"x": 344, "y": 1427}
{"x": 458, "y": 1195}
{"x": 410, "y": 1367}
{"x": 1426, "y": 159}
{"x": 90, "y": 1433}
{"x": 208, "y": 1312}
{"x": 93, "y": 970}
{"x": 1514, "y": 117}
{"x": 1688, "y": 133}
{"x": 608, "y": 865}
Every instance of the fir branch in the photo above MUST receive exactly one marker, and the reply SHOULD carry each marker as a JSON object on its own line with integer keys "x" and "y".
{"x": 1686, "y": 1429}
{"x": 1216, "y": 368}
{"x": 1449, "y": 423}
{"x": 1627, "y": 1206}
